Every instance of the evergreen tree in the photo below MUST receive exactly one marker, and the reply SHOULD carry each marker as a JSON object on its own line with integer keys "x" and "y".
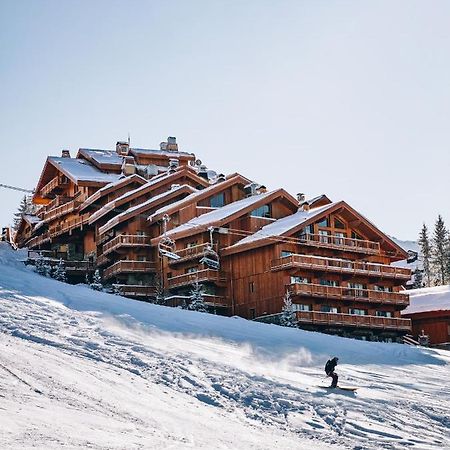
{"x": 418, "y": 278}
{"x": 287, "y": 318}
{"x": 86, "y": 279}
{"x": 60, "y": 272}
{"x": 42, "y": 267}
{"x": 425, "y": 249}
{"x": 25, "y": 207}
{"x": 196, "y": 299}
{"x": 96, "y": 281}
{"x": 440, "y": 250}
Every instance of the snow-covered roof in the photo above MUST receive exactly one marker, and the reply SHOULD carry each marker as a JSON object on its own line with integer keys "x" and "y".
{"x": 32, "y": 220}
{"x": 149, "y": 151}
{"x": 79, "y": 170}
{"x": 428, "y": 299}
{"x": 102, "y": 156}
{"x": 142, "y": 206}
{"x": 283, "y": 225}
{"x": 222, "y": 213}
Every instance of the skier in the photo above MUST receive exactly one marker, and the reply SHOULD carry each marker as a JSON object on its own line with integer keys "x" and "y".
{"x": 329, "y": 370}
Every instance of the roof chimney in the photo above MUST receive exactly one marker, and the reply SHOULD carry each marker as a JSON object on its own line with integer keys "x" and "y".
{"x": 301, "y": 198}
{"x": 65, "y": 154}
{"x": 122, "y": 148}
{"x": 172, "y": 145}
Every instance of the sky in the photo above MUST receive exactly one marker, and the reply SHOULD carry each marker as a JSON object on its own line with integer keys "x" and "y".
{"x": 347, "y": 98}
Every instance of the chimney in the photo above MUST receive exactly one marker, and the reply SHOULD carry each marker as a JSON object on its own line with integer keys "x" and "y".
{"x": 163, "y": 146}
{"x": 128, "y": 166}
{"x": 220, "y": 178}
{"x": 251, "y": 189}
{"x": 65, "y": 154}
{"x": 174, "y": 163}
{"x": 172, "y": 145}
{"x": 203, "y": 172}
{"x": 301, "y": 198}
{"x": 122, "y": 148}
{"x": 261, "y": 189}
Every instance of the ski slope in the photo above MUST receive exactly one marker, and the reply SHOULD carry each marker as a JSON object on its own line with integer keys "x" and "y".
{"x": 82, "y": 369}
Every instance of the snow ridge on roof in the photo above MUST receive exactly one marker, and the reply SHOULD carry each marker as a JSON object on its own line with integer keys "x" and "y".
{"x": 283, "y": 225}
{"x": 428, "y": 299}
{"x": 149, "y": 202}
{"x": 80, "y": 170}
{"x": 220, "y": 213}
{"x": 103, "y": 156}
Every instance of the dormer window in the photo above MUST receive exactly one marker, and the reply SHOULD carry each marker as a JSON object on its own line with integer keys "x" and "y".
{"x": 325, "y": 223}
{"x": 262, "y": 211}
{"x": 217, "y": 201}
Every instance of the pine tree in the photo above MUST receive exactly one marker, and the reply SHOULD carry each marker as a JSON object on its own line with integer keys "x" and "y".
{"x": 418, "y": 278}
{"x": 86, "y": 279}
{"x": 96, "y": 281}
{"x": 440, "y": 250}
{"x": 287, "y": 318}
{"x": 25, "y": 207}
{"x": 196, "y": 298}
{"x": 425, "y": 249}
{"x": 60, "y": 272}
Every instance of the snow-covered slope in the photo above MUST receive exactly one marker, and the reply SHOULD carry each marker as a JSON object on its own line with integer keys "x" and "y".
{"x": 83, "y": 369}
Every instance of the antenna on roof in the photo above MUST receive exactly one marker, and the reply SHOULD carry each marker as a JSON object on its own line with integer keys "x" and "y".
{"x": 128, "y": 139}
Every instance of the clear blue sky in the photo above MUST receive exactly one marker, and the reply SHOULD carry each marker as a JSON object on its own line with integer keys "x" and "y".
{"x": 347, "y": 98}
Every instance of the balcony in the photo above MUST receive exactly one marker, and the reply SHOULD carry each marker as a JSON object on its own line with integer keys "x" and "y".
{"x": 194, "y": 252}
{"x": 350, "y": 320}
{"x": 53, "y": 184}
{"x": 127, "y": 266}
{"x": 340, "y": 266}
{"x": 213, "y": 301}
{"x": 135, "y": 290}
{"x": 340, "y": 243}
{"x": 126, "y": 240}
{"x": 214, "y": 276}
{"x": 38, "y": 240}
{"x": 59, "y": 211}
{"x": 345, "y": 293}
{"x": 68, "y": 226}
{"x": 102, "y": 260}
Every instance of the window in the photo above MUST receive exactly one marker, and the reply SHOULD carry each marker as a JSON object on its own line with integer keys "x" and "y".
{"x": 298, "y": 307}
{"x": 328, "y": 309}
{"x": 339, "y": 238}
{"x": 339, "y": 224}
{"x": 382, "y": 288}
{"x": 251, "y": 287}
{"x": 356, "y": 236}
{"x": 217, "y": 201}
{"x": 358, "y": 312}
{"x": 324, "y": 223}
{"x": 383, "y": 313}
{"x": 333, "y": 283}
{"x": 323, "y": 237}
{"x": 358, "y": 289}
{"x": 191, "y": 244}
{"x": 140, "y": 233}
{"x": 141, "y": 258}
{"x": 285, "y": 253}
{"x": 297, "y": 279}
{"x": 191, "y": 269}
{"x": 262, "y": 211}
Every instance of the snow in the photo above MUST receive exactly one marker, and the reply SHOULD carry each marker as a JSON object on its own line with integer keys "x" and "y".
{"x": 428, "y": 299}
{"x": 282, "y": 226}
{"x": 218, "y": 214}
{"x": 103, "y": 156}
{"x": 174, "y": 154}
{"x": 141, "y": 206}
{"x": 32, "y": 220}
{"x": 85, "y": 369}
{"x": 79, "y": 170}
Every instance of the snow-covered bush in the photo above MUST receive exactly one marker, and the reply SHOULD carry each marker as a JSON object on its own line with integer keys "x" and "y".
{"x": 96, "y": 281}
{"x": 59, "y": 272}
{"x": 196, "y": 302}
{"x": 287, "y": 318}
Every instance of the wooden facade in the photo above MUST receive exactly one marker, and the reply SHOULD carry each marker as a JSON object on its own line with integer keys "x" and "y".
{"x": 155, "y": 219}
{"x": 434, "y": 324}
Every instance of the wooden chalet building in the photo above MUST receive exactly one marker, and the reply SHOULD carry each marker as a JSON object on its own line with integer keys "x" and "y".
{"x": 154, "y": 222}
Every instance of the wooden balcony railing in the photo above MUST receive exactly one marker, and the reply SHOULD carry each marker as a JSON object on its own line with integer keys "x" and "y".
{"x": 193, "y": 252}
{"x": 135, "y": 290}
{"x": 340, "y": 266}
{"x": 52, "y": 185}
{"x": 68, "y": 225}
{"x": 323, "y": 318}
{"x": 346, "y": 293}
{"x": 341, "y": 243}
{"x": 126, "y": 266}
{"x": 215, "y": 276}
{"x": 59, "y": 211}
{"x": 38, "y": 240}
{"x": 102, "y": 260}
{"x": 126, "y": 240}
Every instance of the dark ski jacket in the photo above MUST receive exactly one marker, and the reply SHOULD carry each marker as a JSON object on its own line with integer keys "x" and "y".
{"x": 330, "y": 366}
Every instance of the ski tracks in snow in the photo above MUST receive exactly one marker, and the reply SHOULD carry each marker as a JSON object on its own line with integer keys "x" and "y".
{"x": 236, "y": 379}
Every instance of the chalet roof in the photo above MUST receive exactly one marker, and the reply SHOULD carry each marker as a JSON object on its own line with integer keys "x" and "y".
{"x": 102, "y": 157}
{"x": 283, "y": 225}
{"x": 141, "y": 190}
{"x": 166, "y": 153}
{"x": 32, "y": 220}
{"x": 428, "y": 300}
{"x": 105, "y": 190}
{"x": 142, "y": 207}
{"x": 199, "y": 195}
{"x": 220, "y": 215}
{"x": 289, "y": 224}
{"x": 81, "y": 171}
